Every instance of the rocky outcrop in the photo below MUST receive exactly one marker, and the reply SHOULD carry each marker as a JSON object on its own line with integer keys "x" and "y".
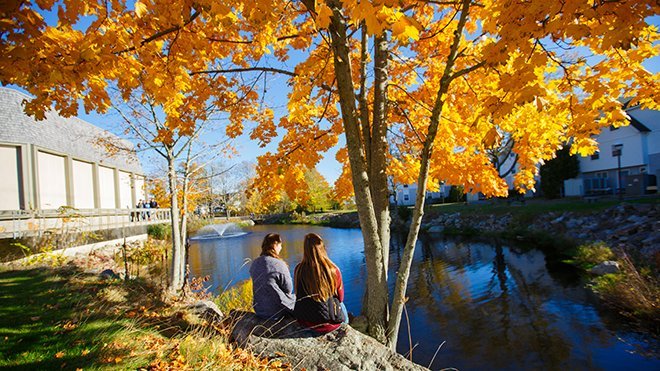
{"x": 633, "y": 228}
{"x": 342, "y": 349}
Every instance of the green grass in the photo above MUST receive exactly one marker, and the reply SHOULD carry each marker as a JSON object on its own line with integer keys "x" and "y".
{"x": 47, "y": 321}
{"x": 62, "y": 318}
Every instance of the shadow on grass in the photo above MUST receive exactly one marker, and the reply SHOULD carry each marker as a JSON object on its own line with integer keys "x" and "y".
{"x": 66, "y": 319}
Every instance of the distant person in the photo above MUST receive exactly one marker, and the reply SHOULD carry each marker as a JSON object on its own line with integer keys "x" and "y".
{"x": 147, "y": 205}
{"x": 153, "y": 204}
{"x": 319, "y": 289}
{"x": 272, "y": 287}
{"x": 139, "y": 215}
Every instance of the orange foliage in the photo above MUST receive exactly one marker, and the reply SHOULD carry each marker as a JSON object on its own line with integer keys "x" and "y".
{"x": 511, "y": 76}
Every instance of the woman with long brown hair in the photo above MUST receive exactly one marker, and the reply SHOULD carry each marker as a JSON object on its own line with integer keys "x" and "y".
{"x": 272, "y": 289}
{"x": 319, "y": 288}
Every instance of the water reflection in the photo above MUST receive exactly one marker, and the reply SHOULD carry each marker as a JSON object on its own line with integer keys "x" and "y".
{"x": 494, "y": 306}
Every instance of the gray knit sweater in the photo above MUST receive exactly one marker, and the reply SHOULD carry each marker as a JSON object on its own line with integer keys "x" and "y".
{"x": 272, "y": 287}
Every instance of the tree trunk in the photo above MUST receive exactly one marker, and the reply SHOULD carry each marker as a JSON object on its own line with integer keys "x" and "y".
{"x": 184, "y": 227}
{"x": 376, "y": 312}
{"x": 176, "y": 278}
{"x": 379, "y": 148}
{"x": 403, "y": 274}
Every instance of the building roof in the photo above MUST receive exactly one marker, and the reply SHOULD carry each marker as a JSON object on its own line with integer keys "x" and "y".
{"x": 72, "y": 135}
{"x": 637, "y": 120}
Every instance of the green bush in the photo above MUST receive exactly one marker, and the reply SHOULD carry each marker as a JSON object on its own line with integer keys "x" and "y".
{"x": 404, "y": 212}
{"x": 159, "y": 231}
{"x": 456, "y": 194}
{"x": 592, "y": 254}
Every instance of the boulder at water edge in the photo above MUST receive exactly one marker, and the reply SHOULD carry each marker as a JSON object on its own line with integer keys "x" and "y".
{"x": 342, "y": 349}
{"x": 606, "y": 267}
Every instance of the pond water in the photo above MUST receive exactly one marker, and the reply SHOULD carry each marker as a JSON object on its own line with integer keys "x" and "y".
{"x": 487, "y": 306}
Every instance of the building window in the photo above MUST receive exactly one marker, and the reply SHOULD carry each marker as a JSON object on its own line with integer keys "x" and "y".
{"x": 405, "y": 186}
{"x": 405, "y": 197}
{"x": 642, "y": 170}
{"x": 602, "y": 175}
{"x": 596, "y": 155}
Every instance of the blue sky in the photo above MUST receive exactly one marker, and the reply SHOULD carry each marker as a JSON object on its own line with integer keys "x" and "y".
{"x": 276, "y": 98}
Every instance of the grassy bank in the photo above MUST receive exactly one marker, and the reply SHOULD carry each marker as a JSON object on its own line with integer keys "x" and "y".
{"x": 63, "y": 318}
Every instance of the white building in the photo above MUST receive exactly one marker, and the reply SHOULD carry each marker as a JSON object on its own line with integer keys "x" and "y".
{"x": 57, "y": 162}
{"x": 406, "y": 195}
{"x": 639, "y": 147}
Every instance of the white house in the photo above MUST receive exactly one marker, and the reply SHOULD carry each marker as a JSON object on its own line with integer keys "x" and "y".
{"x": 630, "y": 153}
{"x": 406, "y": 195}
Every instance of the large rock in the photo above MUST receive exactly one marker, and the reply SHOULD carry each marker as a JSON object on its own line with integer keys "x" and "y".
{"x": 436, "y": 229}
{"x": 342, "y": 349}
{"x": 208, "y": 310}
{"x": 606, "y": 267}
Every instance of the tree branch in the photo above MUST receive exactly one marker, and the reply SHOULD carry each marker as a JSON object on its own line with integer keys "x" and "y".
{"x": 249, "y": 69}
{"x": 160, "y": 34}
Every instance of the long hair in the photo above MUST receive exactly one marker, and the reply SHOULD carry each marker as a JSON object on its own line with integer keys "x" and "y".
{"x": 316, "y": 274}
{"x": 268, "y": 246}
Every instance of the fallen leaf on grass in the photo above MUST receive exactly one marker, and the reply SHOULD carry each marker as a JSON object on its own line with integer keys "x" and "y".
{"x": 69, "y": 326}
{"x": 35, "y": 318}
{"x": 59, "y": 354}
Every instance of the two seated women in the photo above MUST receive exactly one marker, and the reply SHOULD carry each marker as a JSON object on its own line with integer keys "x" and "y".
{"x": 318, "y": 285}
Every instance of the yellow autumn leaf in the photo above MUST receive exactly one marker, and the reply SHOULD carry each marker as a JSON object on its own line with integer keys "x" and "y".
{"x": 140, "y": 9}
{"x": 404, "y": 30}
{"x": 323, "y": 16}
{"x": 87, "y": 54}
{"x": 492, "y": 138}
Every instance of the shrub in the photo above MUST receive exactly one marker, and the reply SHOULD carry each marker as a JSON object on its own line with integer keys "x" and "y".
{"x": 404, "y": 212}
{"x": 159, "y": 231}
{"x": 456, "y": 194}
{"x": 238, "y": 297}
{"x": 592, "y": 254}
{"x": 633, "y": 294}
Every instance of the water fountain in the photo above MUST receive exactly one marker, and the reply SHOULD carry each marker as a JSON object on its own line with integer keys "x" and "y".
{"x": 226, "y": 230}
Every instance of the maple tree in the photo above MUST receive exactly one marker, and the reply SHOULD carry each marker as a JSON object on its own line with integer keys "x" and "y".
{"x": 442, "y": 82}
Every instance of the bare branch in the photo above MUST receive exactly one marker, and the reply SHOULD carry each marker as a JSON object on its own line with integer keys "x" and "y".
{"x": 249, "y": 69}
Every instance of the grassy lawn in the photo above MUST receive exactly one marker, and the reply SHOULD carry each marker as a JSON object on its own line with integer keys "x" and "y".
{"x": 64, "y": 319}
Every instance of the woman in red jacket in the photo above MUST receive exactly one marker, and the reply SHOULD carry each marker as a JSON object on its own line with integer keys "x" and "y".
{"x": 319, "y": 289}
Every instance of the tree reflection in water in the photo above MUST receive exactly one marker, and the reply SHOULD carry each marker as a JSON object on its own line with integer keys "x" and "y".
{"x": 497, "y": 308}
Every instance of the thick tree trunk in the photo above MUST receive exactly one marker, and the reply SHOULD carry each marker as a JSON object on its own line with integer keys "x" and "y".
{"x": 176, "y": 278}
{"x": 379, "y": 148}
{"x": 376, "y": 280}
{"x": 399, "y": 298}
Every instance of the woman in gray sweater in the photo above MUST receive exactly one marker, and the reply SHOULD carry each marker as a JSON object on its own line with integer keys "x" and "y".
{"x": 272, "y": 287}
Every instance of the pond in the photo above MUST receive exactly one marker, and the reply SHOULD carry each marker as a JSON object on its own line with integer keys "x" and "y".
{"x": 484, "y": 306}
